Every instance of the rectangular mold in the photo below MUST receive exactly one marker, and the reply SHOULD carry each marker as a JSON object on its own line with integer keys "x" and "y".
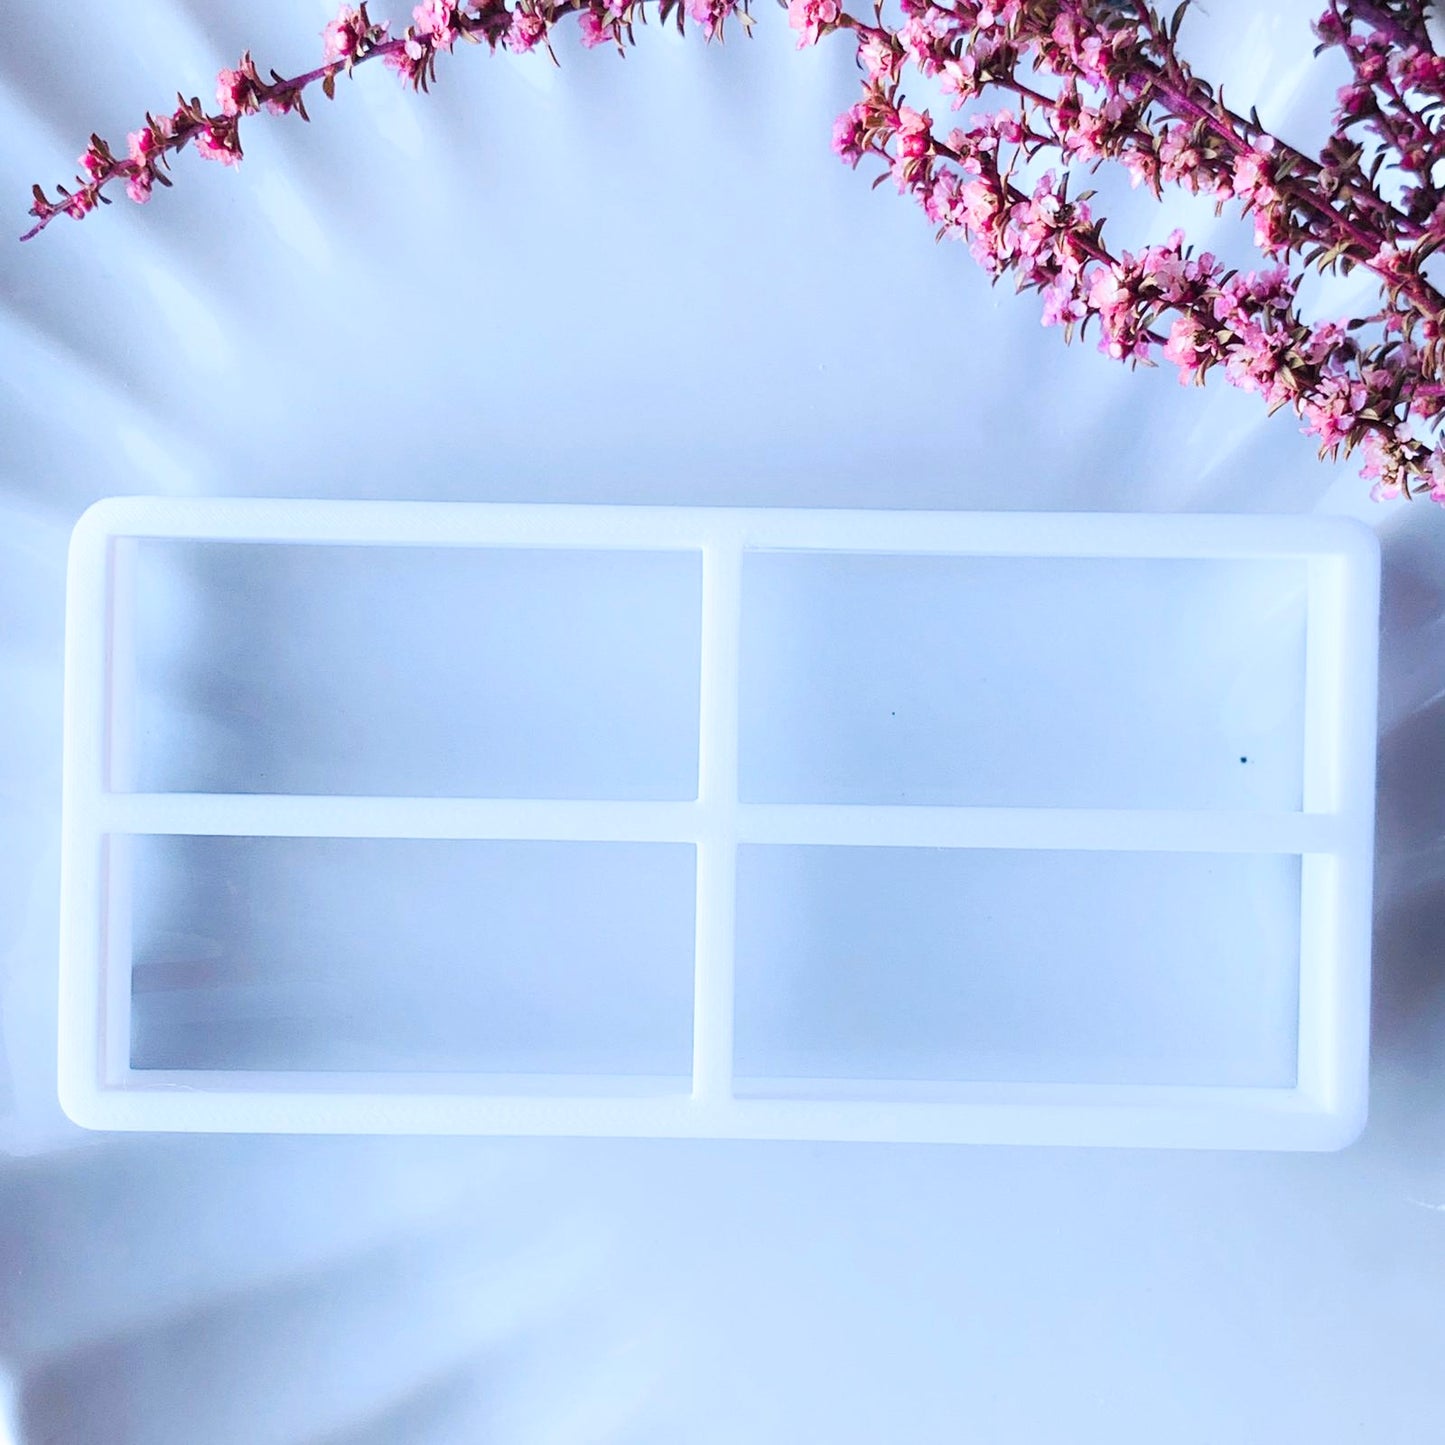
{"x": 1245, "y": 637}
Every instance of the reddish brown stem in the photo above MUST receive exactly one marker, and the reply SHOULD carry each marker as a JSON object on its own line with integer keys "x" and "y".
{"x": 1377, "y": 17}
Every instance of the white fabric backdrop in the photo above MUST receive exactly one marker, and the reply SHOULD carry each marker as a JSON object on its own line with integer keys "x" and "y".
{"x": 625, "y": 282}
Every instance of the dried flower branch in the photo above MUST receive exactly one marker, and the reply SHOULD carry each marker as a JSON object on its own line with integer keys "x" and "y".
{"x": 1092, "y": 81}
{"x": 1087, "y": 82}
{"x": 352, "y": 39}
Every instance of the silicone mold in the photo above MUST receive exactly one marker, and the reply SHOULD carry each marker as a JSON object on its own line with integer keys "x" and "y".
{"x": 991, "y": 828}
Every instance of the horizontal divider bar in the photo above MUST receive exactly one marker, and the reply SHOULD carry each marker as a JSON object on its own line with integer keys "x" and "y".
{"x": 1141, "y": 1116}
{"x": 755, "y": 1093}
{"x": 469, "y": 524}
{"x": 1064, "y": 828}
{"x": 270, "y": 815}
{"x": 285, "y": 816}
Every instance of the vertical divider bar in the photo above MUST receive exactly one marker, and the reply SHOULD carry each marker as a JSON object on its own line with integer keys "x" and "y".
{"x": 120, "y": 705}
{"x": 116, "y": 958}
{"x": 1326, "y": 619}
{"x": 1316, "y": 1060}
{"x": 83, "y": 864}
{"x": 120, "y": 690}
{"x": 712, "y": 1029}
{"x": 1335, "y": 887}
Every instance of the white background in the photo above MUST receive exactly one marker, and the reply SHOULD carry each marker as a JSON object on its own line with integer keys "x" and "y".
{"x": 650, "y": 281}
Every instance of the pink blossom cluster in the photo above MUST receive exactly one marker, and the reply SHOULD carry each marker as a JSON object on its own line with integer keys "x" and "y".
{"x": 1091, "y": 81}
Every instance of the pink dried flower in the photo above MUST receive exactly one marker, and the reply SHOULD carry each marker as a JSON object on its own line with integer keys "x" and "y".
{"x": 1331, "y": 413}
{"x": 1186, "y": 347}
{"x": 1142, "y": 165}
{"x": 143, "y": 143}
{"x": 233, "y": 94}
{"x": 1165, "y": 270}
{"x": 1272, "y": 233}
{"x": 341, "y": 36}
{"x": 138, "y": 187}
{"x": 1371, "y": 60}
{"x": 350, "y": 35}
{"x": 1001, "y": 13}
{"x": 1063, "y": 304}
{"x": 436, "y": 22}
{"x": 983, "y": 246}
{"x": 1354, "y": 101}
{"x": 1330, "y": 29}
{"x": 1435, "y": 476}
{"x": 1107, "y": 289}
{"x": 1252, "y": 176}
{"x": 1376, "y": 459}
{"x": 236, "y": 90}
{"x": 94, "y": 163}
{"x": 914, "y": 132}
{"x": 1424, "y": 71}
{"x": 1075, "y": 46}
{"x": 848, "y": 134}
{"x": 942, "y": 203}
{"x": 710, "y": 15}
{"x": 594, "y": 28}
{"x": 1256, "y": 357}
{"x": 1382, "y": 466}
{"x": 526, "y": 30}
{"x": 957, "y": 81}
{"x": 1033, "y": 222}
{"x": 920, "y": 37}
{"x": 811, "y": 17}
{"x": 409, "y": 60}
{"x": 879, "y": 59}
{"x": 219, "y": 143}
{"x": 1083, "y": 130}
{"x": 1180, "y": 160}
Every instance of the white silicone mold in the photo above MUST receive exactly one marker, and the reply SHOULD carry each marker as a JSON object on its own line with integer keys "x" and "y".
{"x": 1067, "y": 685}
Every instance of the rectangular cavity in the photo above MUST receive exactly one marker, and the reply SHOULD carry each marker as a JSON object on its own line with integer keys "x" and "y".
{"x": 384, "y": 955}
{"x": 1023, "y": 681}
{"x": 418, "y": 671}
{"x": 913, "y": 964}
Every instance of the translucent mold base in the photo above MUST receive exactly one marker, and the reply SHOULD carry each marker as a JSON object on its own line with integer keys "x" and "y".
{"x": 463, "y": 818}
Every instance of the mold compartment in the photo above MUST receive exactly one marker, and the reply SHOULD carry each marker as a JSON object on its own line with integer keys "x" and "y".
{"x": 1006, "y": 681}
{"x": 414, "y": 671}
{"x": 982, "y": 965}
{"x": 406, "y": 956}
